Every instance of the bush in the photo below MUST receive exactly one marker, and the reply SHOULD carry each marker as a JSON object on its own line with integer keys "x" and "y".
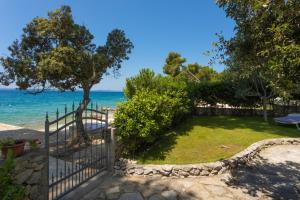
{"x": 143, "y": 119}
{"x": 225, "y": 92}
{"x": 9, "y": 190}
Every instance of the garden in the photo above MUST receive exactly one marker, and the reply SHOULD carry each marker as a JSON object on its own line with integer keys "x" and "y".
{"x": 159, "y": 123}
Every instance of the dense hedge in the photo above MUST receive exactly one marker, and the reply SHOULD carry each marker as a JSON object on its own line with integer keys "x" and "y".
{"x": 225, "y": 92}
{"x": 155, "y": 104}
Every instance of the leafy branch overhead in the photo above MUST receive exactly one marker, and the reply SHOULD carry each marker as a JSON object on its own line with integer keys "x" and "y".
{"x": 57, "y": 52}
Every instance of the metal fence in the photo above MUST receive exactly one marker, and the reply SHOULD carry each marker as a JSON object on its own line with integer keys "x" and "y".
{"x": 71, "y": 162}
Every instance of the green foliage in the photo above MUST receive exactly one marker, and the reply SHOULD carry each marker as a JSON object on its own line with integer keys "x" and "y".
{"x": 7, "y": 142}
{"x": 8, "y": 189}
{"x": 146, "y": 80}
{"x": 57, "y": 52}
{"x": 155, "y": 104}
{"x": 225, "y": 92}
{"x": 141, "y": 120}
{"x": 266, "y": 46}
{"x": 175, "y": 67}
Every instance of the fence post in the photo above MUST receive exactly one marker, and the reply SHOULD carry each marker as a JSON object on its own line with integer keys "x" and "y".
{"x": 46, "y": 182}
{"x": 112, "y": 148}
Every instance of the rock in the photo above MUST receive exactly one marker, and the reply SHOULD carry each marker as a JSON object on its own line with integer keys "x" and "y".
{"x": 165, "y": 173}
{"x": 119, "y": 173}
{"x": 21, "y": 165}
{"x": 139, "y": 171}
{"x": 195, "y": 172}
{"x": 130, "y": 167}
{"x": 27, "y": 190}
{"x": 218, "y": 167}
{"x": 130, "y": 171}
{"x": 187, "y": 169}
{"x": 39, "y": 159}
{"x": 117, "y": 167}
{"x": 148, "y": 171}
{"x": 156, "y": 197}
{"x": 23, "y": 176}
{"x": 183, "y": 173}
{"x": 131, "y": 196}
{"x": 35, "y": 178}
{"x": 204, "y": 173}
{"x": 38, "y": 167}
{"x": 167, "y": 168}
{"x": 35, "y": 193}
{"x": 169, "y": 195}
{"x": 214, "y": 172}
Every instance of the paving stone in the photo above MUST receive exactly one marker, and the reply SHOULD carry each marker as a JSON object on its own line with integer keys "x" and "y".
{"x": 156, "y": 197}
{"x": 131, "y": 196}
{"x": 216, "y": 190}
{"x": 94, "y": 194}
{"x": 169, "y": 194}
{"x": 113, "y": 192}
{"x": 129, "y": 187}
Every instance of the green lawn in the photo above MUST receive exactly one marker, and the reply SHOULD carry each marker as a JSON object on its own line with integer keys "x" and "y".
{"x": 202, "y": 139}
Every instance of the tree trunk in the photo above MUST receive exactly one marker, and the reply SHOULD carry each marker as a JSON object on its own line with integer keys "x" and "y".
{"x": 79, "y": 122}
{"x": 265, "y": 111}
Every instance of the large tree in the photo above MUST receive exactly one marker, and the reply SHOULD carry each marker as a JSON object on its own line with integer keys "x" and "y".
{"x": 57, "y": 52}
{"x": 175, "y": 67}
{"x": 265, "y": 48}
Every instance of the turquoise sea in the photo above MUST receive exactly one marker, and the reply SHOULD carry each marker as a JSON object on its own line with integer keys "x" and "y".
{"x": 27, "y": 110}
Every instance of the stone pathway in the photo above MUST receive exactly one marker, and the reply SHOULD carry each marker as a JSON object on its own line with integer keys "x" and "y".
{"x": 275, "y": 174}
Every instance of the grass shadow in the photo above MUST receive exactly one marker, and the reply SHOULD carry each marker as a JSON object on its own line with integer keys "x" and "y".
{"x": 160, "y": 149}
{"x": 207, "y": 134}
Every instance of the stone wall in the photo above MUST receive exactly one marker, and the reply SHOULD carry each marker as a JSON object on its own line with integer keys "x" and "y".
{"x": 124, "y": 167}
{"x": 31, "y": 172}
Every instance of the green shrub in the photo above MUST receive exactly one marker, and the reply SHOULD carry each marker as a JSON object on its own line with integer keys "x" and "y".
{"x": 225, "y": 92}
{"x": 148, "y": 81}
{"x": 9, "y": 190}
{"x": 142, "y": 120}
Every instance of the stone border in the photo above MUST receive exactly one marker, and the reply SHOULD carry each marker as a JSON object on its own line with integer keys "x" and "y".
{"x": 125, "y": 167}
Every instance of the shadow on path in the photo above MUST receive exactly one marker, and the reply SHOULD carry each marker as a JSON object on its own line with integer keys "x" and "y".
{"x": 277, "y": 180}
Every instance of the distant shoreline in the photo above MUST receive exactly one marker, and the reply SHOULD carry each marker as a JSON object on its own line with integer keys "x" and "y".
{"x": 54, "y": 90}
{"x": 25, "y": 110}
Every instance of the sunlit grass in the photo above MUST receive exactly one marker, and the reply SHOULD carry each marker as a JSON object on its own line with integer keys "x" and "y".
{"x": 206, "y": 139}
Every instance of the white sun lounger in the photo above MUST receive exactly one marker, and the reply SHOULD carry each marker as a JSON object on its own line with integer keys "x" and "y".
{"x": 293, "y": 118}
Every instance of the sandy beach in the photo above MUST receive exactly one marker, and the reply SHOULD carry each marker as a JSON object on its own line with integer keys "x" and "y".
{"x": 18, "y": 132}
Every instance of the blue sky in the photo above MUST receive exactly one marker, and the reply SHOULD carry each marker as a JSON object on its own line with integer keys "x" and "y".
{"x": 155, "y": 27}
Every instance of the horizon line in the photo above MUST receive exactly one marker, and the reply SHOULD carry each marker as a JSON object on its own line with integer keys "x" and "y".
{"x": 93, "y": 90}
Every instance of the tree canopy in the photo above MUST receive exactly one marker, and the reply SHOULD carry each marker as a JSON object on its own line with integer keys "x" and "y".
{"x": 57, "y": 52}
{"x": 265, "y": 48}
{"x": 175, "y": 67}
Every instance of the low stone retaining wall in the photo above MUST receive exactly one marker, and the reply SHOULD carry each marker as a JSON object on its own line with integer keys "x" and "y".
{"x": 31, "y": 172}
{"x": 124, "y": 167}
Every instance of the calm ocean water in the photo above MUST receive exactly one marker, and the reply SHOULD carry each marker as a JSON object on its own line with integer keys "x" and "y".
{"x": 23, "y": 109}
